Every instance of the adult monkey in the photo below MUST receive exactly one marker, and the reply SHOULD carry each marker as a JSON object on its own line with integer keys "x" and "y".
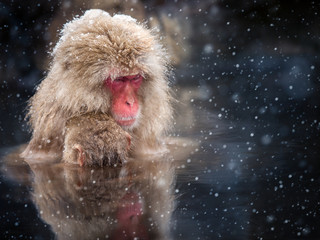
{"x": 102, "y": 65}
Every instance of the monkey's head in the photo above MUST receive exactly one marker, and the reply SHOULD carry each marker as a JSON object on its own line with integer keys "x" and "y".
{"x": 112, "y": 65}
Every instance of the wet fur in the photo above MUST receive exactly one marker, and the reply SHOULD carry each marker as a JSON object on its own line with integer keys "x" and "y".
{"x": 103, "y": 141}
{"x": 90, "y": 49}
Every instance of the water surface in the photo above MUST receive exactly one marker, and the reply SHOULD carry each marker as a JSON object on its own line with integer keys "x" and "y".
{"x": 223, "y": 178}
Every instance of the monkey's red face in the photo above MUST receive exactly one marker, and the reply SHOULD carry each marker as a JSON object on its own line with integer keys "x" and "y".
{"x": 125, "y": 104}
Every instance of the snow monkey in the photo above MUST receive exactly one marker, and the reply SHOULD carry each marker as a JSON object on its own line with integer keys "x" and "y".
{"x": 112, "y": 71}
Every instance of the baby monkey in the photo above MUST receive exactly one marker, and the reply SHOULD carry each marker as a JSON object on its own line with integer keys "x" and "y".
{"x": 95, "y": 139}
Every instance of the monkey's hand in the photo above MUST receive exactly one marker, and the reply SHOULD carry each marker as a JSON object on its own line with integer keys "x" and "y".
{"x": 95, "y": 139}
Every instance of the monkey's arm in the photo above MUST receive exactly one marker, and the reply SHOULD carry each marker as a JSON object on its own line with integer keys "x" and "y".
{"x": 95, "y": 139}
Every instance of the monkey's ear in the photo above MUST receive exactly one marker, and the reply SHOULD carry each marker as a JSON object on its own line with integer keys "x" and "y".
{"x": 81, "y": 157}
{"x": 66, "y": 65}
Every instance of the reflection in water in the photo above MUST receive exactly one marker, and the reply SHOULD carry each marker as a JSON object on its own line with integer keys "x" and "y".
{"x": 134, "y": 201}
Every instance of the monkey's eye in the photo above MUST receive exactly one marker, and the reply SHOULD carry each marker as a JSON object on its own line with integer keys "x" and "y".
{"x": 119, "y": 79}
{"x": 136, "y": 77}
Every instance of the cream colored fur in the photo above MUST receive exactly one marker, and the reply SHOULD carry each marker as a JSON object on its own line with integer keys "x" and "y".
{"x": 90, "y": 49}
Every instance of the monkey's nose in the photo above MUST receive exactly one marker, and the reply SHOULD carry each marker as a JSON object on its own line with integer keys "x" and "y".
{"x": 130, "y": 102}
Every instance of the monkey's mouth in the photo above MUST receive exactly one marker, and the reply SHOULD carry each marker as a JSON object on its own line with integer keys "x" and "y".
{"x": 126, "y": 121}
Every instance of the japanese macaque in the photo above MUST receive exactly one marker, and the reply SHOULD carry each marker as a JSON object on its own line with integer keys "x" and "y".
{"x": 102, "y": 65}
